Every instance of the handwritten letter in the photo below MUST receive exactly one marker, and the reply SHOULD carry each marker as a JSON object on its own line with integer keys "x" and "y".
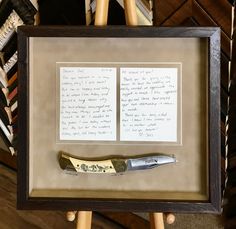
{"x": 87, "y": 103}
{"x": 148, "y": 104}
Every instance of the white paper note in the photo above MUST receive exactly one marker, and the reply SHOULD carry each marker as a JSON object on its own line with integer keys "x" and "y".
{"x": 148, "y": 104}
{"x": 88, "y": 103}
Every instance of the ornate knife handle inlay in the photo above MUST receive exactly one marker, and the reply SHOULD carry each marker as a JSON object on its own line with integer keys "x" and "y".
{"x": 94, "y": 168}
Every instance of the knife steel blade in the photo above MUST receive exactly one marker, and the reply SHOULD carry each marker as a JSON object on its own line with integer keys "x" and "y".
{"x": 114, "y": 164}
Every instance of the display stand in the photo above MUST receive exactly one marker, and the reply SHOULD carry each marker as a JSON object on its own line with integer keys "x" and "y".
{"x": 84, "y": 218}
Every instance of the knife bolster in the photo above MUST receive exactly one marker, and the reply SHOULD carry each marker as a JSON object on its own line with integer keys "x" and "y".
{"x": 65, "y": 163}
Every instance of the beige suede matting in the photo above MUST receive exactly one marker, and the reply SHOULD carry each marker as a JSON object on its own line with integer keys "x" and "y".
{"x": 187, "y": 179}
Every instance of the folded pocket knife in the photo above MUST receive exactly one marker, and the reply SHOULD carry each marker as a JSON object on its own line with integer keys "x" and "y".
{"x": 113, "y": 165}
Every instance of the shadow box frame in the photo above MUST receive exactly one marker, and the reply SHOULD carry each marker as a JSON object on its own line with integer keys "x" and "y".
{"x": 210, "y": 35}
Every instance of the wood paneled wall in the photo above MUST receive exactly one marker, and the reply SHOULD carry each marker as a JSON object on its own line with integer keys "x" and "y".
{"x": 204, "y": 13}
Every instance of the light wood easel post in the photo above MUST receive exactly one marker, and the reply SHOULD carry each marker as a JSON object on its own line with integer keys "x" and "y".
{"x": 84, "y": 218}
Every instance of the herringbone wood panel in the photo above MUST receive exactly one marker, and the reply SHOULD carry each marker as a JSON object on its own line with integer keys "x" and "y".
{"x": 203, "y": 13}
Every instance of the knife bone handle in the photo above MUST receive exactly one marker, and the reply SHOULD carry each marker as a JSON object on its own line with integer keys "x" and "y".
{"x": 84, "y": 166}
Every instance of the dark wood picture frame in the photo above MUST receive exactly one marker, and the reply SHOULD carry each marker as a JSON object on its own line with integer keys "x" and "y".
{"x": 213, "y": 204}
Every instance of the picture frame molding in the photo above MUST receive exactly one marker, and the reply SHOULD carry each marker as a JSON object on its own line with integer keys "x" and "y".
{"x": 24, "y": 201}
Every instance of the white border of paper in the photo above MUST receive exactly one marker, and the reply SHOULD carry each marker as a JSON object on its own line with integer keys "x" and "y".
{"x": 176, "y": 140}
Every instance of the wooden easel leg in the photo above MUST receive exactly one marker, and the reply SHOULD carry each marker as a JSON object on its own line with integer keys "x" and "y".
{"x": 84, "y": 220}
{"x": 130, "y": 12}
{"x": 101, "y": 13}
{"x": 156, "y": 220}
